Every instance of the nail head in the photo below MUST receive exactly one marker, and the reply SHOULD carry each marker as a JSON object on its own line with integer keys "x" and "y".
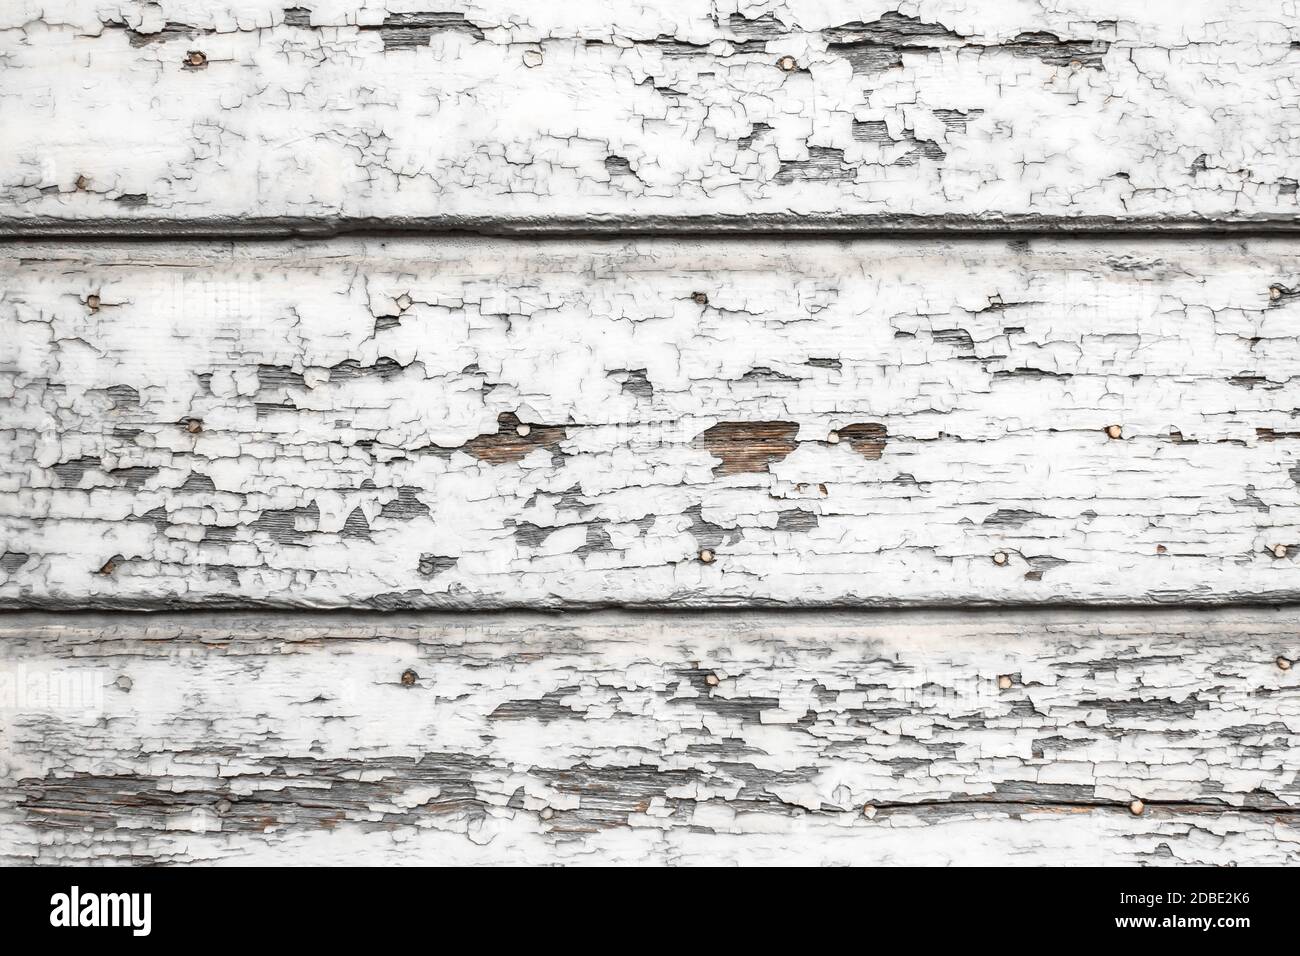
{"x": 1004, "y": 682}
{"x": 706, "y": 556}
{"x": 1279, "y": 551}
{"x": 522, "y": 431}
{"x": 787, "y": 63}
{"x": 1114, "y": 431}
{"x": 409, "y": 677}
{"x": 1136, "y": 807}
{"x": 1283, "y": 664}
{"x": 1000, "y": 558}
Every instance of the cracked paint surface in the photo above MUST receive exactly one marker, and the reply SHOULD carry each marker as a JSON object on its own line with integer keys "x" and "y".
{"x": 757, "y": 738}
{"x": 240, "y": 115}
{"x": 495, "y": 422}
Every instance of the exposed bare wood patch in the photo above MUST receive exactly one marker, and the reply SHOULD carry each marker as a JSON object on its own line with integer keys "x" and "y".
{"x": 514, "y": 440}
{"x": 749, "y": 446}
{"x": 868, "y": 439}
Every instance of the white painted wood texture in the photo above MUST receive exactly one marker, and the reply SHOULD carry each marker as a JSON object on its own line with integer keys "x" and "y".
{"x": 221, "y": 417}
{"x": 250, "y": 115}
{"x": 631, "y": 738}
{"x": 339, "y": 423}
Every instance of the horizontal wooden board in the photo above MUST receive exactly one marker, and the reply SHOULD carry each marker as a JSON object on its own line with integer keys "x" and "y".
{"x": 613, "y": 737}
{"x": 248, "y": 115}
{"x": 487, "y": 423}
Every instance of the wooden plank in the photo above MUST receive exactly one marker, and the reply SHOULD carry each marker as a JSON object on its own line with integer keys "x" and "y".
{"x": 691, "y": 738}
{"x": 492, "y": 423}
{"x": 245, "y": 116}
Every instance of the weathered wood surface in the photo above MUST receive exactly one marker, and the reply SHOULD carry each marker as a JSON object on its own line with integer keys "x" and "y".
{"x": 698, "y": 738}
{"x": 256, "y": 115}
{"x": 507, "y": 423}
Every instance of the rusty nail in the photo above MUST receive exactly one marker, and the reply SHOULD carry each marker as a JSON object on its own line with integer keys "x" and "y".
{"x": 92, "y": 302}
{"x": 1161, "y": 549}
{"x": 1000, "y": 558}
{"x": 409, "y": 677}
{"x": 1114, "y": 431}
{"x": 1136, "y": 807}
{"x": 1283, "y": 664}
{"x": 699, "y": 298}
{"x": 196, "y": 58}
{"x": 787, "y": 63}
{"x": 711, "y": 680}
{"x": 1279, "y": 551}
{"x": 706, "y": 556}
{"x": 1004, "y": 682}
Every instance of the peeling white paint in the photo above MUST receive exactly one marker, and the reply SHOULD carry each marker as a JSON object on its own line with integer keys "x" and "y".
{"x": 394, "y": 424}
{"x": 812, "y": 112}
{"x": 541, "y": 739}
